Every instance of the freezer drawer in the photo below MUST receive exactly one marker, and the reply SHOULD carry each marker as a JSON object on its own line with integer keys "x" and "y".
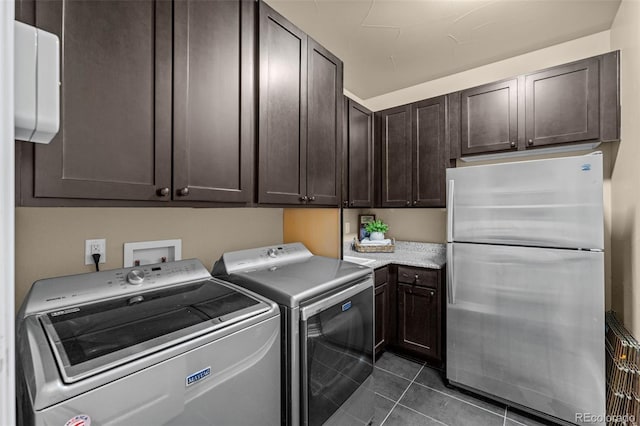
{"x": 527, "y": 325}
{"x": 546, "y": 203}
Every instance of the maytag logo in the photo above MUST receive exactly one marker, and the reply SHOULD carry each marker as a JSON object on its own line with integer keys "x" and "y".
{"x": 197, "y": 376}
{"x": 346, "y": 306}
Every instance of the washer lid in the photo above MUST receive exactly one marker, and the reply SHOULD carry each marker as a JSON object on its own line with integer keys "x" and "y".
{"x": 291, "y": 283}
{"x": 91, "y": 338}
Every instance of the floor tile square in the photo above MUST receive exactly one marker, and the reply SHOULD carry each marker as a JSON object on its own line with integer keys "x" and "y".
{"x": 435, "y": 379}
{"x": 383, "y": 407}
{"x": 398, "y": 365}
{"x": 522, "y": 418}
{"x": 402, "y": 416}
{"x": 389, "y": 385}
{"x": 448, "y": 410}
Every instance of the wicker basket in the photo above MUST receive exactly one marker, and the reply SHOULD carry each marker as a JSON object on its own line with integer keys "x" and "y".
{"x": 390, "y": 248}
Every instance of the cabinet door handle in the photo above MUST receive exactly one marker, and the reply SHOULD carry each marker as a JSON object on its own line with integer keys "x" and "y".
{"x": 408, "y": 203}
{"x": 530, "y": 142}
{"x": 513, "y": 144}
{"x": 346, "y": 203}
{"x": 162, "y": 192}
{"x": 431, "y": 293}
{"x": 183, "y": 192}
{"x": 312, "y": 198}
{"x": 304, "y": 198}
{"x": 415, "y": 202}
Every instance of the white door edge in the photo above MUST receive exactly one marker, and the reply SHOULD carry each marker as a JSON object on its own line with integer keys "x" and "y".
{"x": 7, "y": 213}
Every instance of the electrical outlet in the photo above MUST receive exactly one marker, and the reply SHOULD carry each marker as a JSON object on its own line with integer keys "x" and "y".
{"x": 93, "y": 247}
{"x": 347, "y": 227}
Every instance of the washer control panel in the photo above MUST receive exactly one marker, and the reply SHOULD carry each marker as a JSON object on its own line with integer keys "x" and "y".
{"x": 135, "y": 276}
{"x": 50, "y": 294}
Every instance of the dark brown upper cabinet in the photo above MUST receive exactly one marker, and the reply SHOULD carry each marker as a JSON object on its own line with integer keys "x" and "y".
{"x": 324, "y": 126}
{"x": 489, "y": 118}
{"x": 562, "y": 104}
{"x": 394, "y": 144}
{"x": 115, "y": 133}
{"x": 213, "y": 135}
{"x": 359, "y": 158}
{"x": 169, "y": 118}
{"x": 570, "y": 103}
{"x": 300, "y": 110}
{"x": 430, "y": 152}
{"x": 413, "y": 151}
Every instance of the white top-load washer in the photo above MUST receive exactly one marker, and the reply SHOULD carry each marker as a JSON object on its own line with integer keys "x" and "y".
{"x": 162, "y": 344}
{"x": 327, "y": 328}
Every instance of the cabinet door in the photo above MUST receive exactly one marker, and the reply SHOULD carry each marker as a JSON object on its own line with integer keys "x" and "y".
{"x": 419, "y": 320}
{"x": 395, "y": 146}
{"x": 360, "y": 155}
{"x": 382, "y": 317}
{"x": 115, "y": 125}
{"x": 489, "y": 118}
{"x": 562, "y": 104}
{"x": 282, "y": 125}
{"x": 324, "y": 126}
{"x": 213, "y": 100}
{"x": 430, "y": 157}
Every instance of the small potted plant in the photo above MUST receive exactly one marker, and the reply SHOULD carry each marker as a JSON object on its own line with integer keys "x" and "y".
{"x": 376, "y": 229}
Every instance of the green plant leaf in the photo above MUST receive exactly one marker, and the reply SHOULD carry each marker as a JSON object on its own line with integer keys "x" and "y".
{"x": 377, "y": 226}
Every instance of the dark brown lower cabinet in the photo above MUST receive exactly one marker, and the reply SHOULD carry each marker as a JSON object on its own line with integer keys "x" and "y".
{"x": 382, "y": 309}
{"x": 409, "y": 312}
{"x": 419, "y": 320}
{"x": 382, "y": 317}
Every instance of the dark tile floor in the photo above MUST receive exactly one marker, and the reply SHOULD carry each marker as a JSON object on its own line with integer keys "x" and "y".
{"x": 409, "y": 393}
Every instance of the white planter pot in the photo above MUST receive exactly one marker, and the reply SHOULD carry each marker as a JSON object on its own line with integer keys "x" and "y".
{"x": 376, "y": 236}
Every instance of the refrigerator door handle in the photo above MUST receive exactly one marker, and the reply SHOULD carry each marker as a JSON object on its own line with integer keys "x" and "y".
{"x": 451, "y": 297}
{"x": 450, "y": 211}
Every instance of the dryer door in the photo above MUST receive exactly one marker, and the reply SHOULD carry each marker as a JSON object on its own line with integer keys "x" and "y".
{"x": 337, "y": 354}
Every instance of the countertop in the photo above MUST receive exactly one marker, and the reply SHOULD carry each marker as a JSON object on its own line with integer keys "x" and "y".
{"x": 422, "y": 255}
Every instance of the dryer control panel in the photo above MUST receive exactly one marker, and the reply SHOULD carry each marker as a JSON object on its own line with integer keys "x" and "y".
{"x": 260, "y": 258}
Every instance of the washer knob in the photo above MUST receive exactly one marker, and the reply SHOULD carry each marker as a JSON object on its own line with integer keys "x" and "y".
{"x": 272, "y": 252}
{"x": 135, "y": 276}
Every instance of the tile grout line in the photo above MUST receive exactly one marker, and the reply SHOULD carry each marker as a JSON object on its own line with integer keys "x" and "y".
{"x": 422, "y": 414}
{"x": 385, "y": 397}
{"x": 458, "y": 399}
{"x": 405, "y": 391}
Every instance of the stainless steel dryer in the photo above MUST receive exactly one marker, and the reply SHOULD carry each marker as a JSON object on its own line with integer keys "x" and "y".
{"x": 162, "y": 344}
{"x": 328, "y": 328}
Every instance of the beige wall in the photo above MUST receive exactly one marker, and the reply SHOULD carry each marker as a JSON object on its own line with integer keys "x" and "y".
{"x": 50, "y": 241}
{"x": 625, "y": 179}
{"x": 317, "y": 229}
{"x": 422, "y": 225}
{"x": 580, "y": 48}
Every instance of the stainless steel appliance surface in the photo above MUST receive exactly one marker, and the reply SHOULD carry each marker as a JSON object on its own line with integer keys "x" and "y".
{"x": 162, "y": 344}
{"x": 525, "y": 284}
{"x": 328, "y": 329}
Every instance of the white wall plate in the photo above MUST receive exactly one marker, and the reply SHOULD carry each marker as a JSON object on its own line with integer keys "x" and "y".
{"x": 149, "y": 252}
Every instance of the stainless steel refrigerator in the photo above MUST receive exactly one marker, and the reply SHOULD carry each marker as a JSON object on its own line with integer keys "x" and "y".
{"x": 525, "y": 284}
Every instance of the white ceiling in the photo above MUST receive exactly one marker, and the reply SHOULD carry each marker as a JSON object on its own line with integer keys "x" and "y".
{"x": 388, "y": 45}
